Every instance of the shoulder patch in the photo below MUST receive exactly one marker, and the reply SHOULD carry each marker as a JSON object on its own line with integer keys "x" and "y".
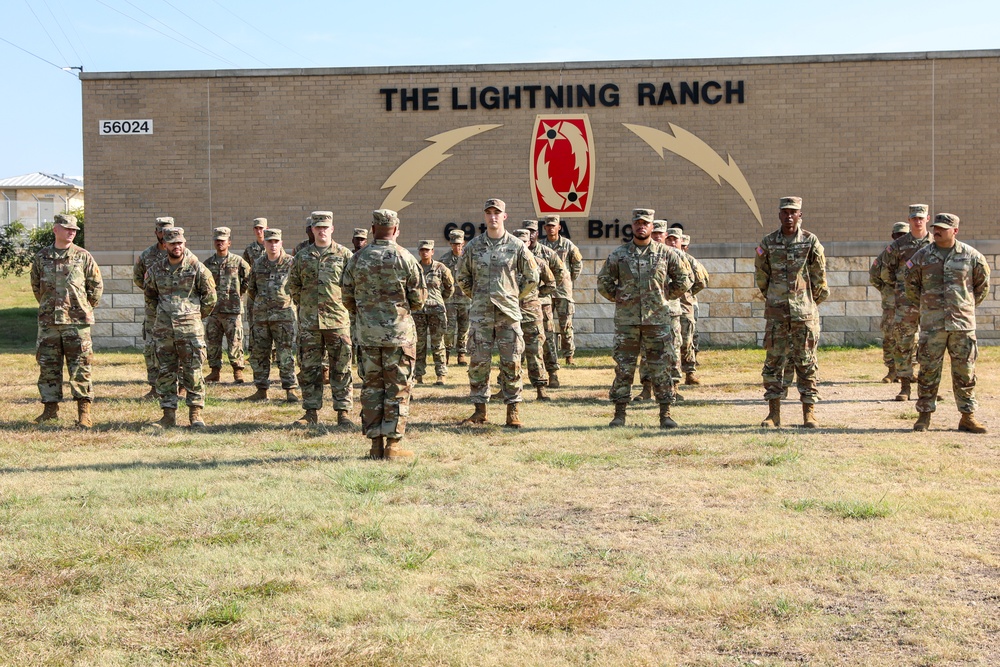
{"x": 760, "y": 251}
{"x": 888, "y": 248}
{"x": 909, "y": 263}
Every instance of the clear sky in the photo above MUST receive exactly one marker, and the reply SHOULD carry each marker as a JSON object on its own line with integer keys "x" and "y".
{"x": 41, "y": 115}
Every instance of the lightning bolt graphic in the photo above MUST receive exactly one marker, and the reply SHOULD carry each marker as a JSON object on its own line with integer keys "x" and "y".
{"x": 696, "y": 151}
{"x": 408, "y": 174}
{"x": 545, "y": 188}
{"x": 577, "y": 144}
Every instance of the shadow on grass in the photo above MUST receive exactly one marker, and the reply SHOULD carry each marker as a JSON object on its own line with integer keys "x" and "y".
{"x": 189, "y": 465}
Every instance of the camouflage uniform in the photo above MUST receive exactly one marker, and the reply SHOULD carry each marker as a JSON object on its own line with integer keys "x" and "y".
{"x": 67, "y": 285}
{"x": 488, "y": 273}
{"x": 563, "y": 305}
{"x": 791, "y": 275}
{"x": 324, "y": 323}
{"x": 147, "y": 258}
{"x": 382, "y": 284}
{"x": 231, "y": 275}
{"x": 689, "y": 321}
{"x": 532, "y": 318}
{"x": 182, "y": 295}
{"x": 947, "y": 284}
{"x": 432, "y": 319}
{"x": 888, "y": 293}
{"x": 457, "y": 306}
{"x": 546, "y": 255}
{"x": 251, "y": 254}
{"x": 274, "y": 321}
{"x": 906, "y": 321}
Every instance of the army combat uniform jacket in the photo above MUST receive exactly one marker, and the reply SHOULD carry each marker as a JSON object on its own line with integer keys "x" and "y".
{"x": 268, "y": 290}
{"x": 231, "y": 275}
{"x": 440, "y": 286}
{"x": 382, "y": 284}
{"x": 948, "y": 284}
{"x": 67, "y": 285}
{"x": 791, "y": 274}
{"x": 644, "y": 283}
{"x": 314, "y": 284}
{"x": 488, "y": 273}
{"x": 572, "y": 261}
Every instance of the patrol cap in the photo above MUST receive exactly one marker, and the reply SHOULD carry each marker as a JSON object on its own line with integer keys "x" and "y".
{"x": 674, "y": 232}
{"x": 901, "y": 228}
{"x": 522, "y": 234}
{"x": 456, "y": 236}
{"x": 360, "y": 233}
{"x": 322, "y": 218}
{"x": 790, "y": 202}
{"x": 918, "y": 211}
{"x": 221, "y": 233}
{"x": 385, "y": 217}
{"x": 946, "y": 220}
{"x": 173, "y": 235}
{"x": 678, "y": 225}
{"x": 530, "y": 225}
{"x": 309, "y": 221}
{"x": 659, "y": 225}
{"x": 643, "y": 214}
{"x": 260, "y": 222}
{"x": 163, "y": 223}
{"x": 272, "y": 235}
{"x": 551, "y": 220}
{"x": 498, "y": 204}
{"x": 426, "y": 244}
{"x": 685, "y": 239}
{"x": 66, "y": 220}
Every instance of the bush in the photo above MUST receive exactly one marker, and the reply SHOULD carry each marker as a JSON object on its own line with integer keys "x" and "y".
{"x": 18, "y": 245}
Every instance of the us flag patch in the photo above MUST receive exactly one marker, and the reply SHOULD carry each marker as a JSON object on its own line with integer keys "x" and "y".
{"x": 909, "y": 264}
{"x": 760, "y": 251}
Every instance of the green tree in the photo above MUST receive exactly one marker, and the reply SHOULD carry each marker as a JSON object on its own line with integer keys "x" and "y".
{"x": 18, "y": 245}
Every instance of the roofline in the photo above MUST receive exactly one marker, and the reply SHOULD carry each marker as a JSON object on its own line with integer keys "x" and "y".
{"x": 535, "y": 67}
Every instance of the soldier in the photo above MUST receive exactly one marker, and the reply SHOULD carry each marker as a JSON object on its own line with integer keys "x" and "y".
{"x": 324, "y": 323}
{"x": 432, "y": 319}
{"x": 182, "y": 292}
{"x": 67, "y": 285}
{"x": 458, "y": 305}
{"x": 888, "y": 292}
{"x": 251, "y": 254}
{"x": 658, "y": 235}
{"x": 152, "y": 254}
{"x": 310, "y": 237}
{"x": 641, "y": 278}
{"x": 948, "y": 279}
{"x": 689, "y": 315}
{"x": 231, "y": 274}
{"x": 488, "y": 273}
{"x": 360, "y": 239}
{"x": 906, "y": 322}
{"x": 274, "y": 319}
{"x": 532, "y": 320}
{"x": 382, "y": 284}
{"x": 546, "y": 255}
{"x": 562, "y": 301}
{"x": 791, "y": 275}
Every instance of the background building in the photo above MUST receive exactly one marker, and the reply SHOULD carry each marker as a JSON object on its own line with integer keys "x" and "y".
{"x": 35, "y": 198}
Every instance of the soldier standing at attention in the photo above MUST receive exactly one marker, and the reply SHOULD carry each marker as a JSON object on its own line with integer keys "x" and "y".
{"x": 791, "y": 275}
{"x": 231, "y": 274}
{"x": 152, "y": 254}
{"x": 359, "y": 241}
{"x": 888, "y": 292}
{"x": 545, "y": 255}
{"x": 488, "y": 273}
{"x": 562, "y": 301}
{"x": 432, "y": 320}
{"x": 458, "y": 305}
{"x": 324, "y": 323}
{"x": 531, "y": 321}
{"x": 67, "y": 285}
{"x": 251, "y": 254}
{"x": 658, "y": 235}
{"x": 641, "y": 278}
{"x": 182, "y": 292}
{"x": 382, "y": 285}
{"x": 274, "y": 319}
{"x": 689, "y": 316}
{"x": 310, "y": 237}
{"x": 906, "y": 323}
{"x": 948, "y": 279}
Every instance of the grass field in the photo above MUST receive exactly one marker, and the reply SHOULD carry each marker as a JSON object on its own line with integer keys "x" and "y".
{"x": 565, "y": 543}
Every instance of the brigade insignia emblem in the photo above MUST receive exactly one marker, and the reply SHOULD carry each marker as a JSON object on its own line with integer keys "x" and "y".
{"x": 562, "y": 165}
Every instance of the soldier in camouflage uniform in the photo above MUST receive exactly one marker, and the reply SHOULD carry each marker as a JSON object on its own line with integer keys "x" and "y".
{"x": 382, "y": 285}
{"x": 532, "y": 321}
{"x": 689, "y": 316}
{"x": 274, "y": 319}
{"x": 546, "y": 255}
{"x": 67, "y": 285}
{"x": 310, "y": 237}
{"x": 432, "y": 320}
{"x": 231, "y": 274}
{"x": 458, "y": 305}
{"x": 182, "y": 292}
{"x": 906, "y": 324}
{"x": 790, "y": 272}
{"x": 888, "y": 292}
{"x": 147, "y": 257}
{"x": 251, "y": 254}
{"x": 488, "y": 273}
{"x": 358, "y": 241}
{"x": 642, "y": 278}
{"x": 948, "y": 279}
{"x": 324, "y": 323}
{"x": 563, "y": 306}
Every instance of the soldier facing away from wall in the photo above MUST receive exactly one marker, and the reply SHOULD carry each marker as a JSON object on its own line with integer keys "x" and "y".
{"x": 432, "y": 320}
{"x": 532, "y": 322}
{"x": 888, "y": 294}
{"x": 150, "y": 255}
{"x": 563, "y": 305}
{"x": 546, "y": 255}
{"x": 457, "y": 305}
{"x": 232, "y": 275}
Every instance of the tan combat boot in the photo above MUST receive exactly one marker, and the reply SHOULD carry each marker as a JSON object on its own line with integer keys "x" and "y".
{"x": 310, "y": 418}
{"x": 890, "y": 377}
{"x": 478, "y": 417}
{"x": 50, "y": 413}
{"x": 418, "y": 379}
{"x": 83, "y": 413}
{"x": 259, "y": 395}
{"x": 194, "y": 417}
{"x": 292, "y": 396}
{"x": 691, "y": 378}
{"x": 541, "y": 395}
{"x": 970, "y": 424}
{"x": 440, "y": 381}
{"x": 665, "y": 419}
{"x": 923, "y": 422}
{"x": 237, "y": 375}
{"x": 513, "y": 418}
{"x": 394, "y": 450}
{"x": 151, "y": 394}
{"x": 326, "y": 376}
{"x": 773, "y": 418}
{"x": 553, "y": 380}
{"x": 647, "y": 392}
{"x": 343, "y": 420}
{"x": 461, "y": 360}
{"x": 169, "y": 418}
{"x": 215, "y": 375}
{"x": 809, "y": 416}
{"x": 377, "y": 452}
{"x": 569, "y": 360}
{"x": 904, "y": 390}
{"x": 619, "y": 418}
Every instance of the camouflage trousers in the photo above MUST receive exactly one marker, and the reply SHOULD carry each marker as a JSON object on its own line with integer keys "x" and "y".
{"x": 334, "y": 347}
{"x": 963, "y": 350}
{"x": 281, "y": 336}
{"x": 790, "y": 344}
{"x": 689, "y": 351}
{"x": 656, "y": 343}
{"x": 69, "y": 342}
{"x": 564, "y": 309}
{"x": 888, "y": 337}
{"x": 905, "y": 328}
{"x": 230, "y": 327}
{"x": 676, "y": 344}
{"x": 385, "y": 395}
{"x": 534, "y": 342}
{"x": 506, "y": 334}
{"x": 180, "y": 349}
{"x": 430, "y": 324}
{"x": 149, "y": 351}
{"x": 458, "y": 328}
{"x": 550, "y": 353}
